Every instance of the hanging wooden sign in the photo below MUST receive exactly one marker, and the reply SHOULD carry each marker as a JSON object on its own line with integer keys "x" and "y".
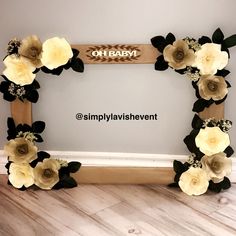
{"x": 117, "y": 53}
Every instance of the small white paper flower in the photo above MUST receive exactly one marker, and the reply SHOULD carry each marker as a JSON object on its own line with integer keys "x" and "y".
{"x": 20, "y": 150}
{"x": 46, "y": 173}
{"x": 56, "y": 52}
{"x": 19, "y": 70}
{"x": 217, "y": 166}
{"x": 194, "y": 181}
{"x": 212, "y": 140}
{"x": 21, "y": 175}
{"x": 210, "y": 58}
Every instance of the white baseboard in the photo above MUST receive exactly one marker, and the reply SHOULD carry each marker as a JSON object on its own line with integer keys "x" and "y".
{"x": 116, "y": 159}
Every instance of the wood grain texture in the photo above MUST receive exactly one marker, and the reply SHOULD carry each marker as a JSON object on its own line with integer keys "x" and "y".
{"x": 124, "y": 175}
{"x": 21, "y": 112}
{"x": 115, "y": 210}
{"x": 147, "y": 54}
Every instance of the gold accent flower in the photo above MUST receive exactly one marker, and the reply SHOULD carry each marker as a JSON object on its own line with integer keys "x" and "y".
{"x": 217, "y": 166}
{"x": 56, "y": 52}
{"x": 212, "y": 87}
{"x": 179, "y": 55}
{"x": 21, "y": 175}
{"x": 210, "y": 58}
{"x": 212, "y": 140}
{"x": 19, "y": 70}
{"x": 46, "y": 173}
{"x": 31, "y": 48}
{"x": 20, "y": 150}
{"x": 194, "y": 181}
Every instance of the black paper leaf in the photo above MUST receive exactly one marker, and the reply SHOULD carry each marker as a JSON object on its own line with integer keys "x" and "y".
{"x": 197, "y": 122}
{"x": 38, "y": 127}
{"x": 161, "y": 64}
{"x": 218, "y": 36}
{"x": 74, "y": 166}
{"x": 170, "y": 38}
{"x": 222, "y": 72}
{"x": 201, "y": 104}
{"x": 230, "y": 41}
{"x": 229, "y": 151}
{"x": 77, "y": 65}
{"x": 204, "y": 39}
{"x": 159, "y": 42}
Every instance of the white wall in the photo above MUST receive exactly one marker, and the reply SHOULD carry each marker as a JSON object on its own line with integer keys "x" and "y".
{"x": 116, "y": 88}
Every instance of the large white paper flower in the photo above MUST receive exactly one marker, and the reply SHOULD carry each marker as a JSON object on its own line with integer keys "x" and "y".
{"x": 212, "y": 140}
{"x": 179, "y": 55}
{"x": 56, "y": 52}
{"x": 19, "y": 70}
{"x": 194, "y": 181}
{"x": 210, "y": 58}
{"x": 20, "y": 150}
{"x": 217, "y": 166}
{"x": 21, "y": 175}
{"x": 46, "y": 173}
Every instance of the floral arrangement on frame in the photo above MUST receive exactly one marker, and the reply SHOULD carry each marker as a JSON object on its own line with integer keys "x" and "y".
{"x": 203, "y": 61}
{"x": 26, "y": 165}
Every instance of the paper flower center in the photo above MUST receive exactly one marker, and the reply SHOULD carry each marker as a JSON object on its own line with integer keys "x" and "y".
{"x": 212, "y": 86}
{"x": 194, "y": 181}
{"x": 22, "y": 149}
{"x": 179, "y": 55}
{"x": 48, "y": 173}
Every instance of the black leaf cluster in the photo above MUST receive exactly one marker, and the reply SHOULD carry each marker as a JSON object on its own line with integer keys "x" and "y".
{"x": 31, "y": 93}
{"x": 37, "y": 128}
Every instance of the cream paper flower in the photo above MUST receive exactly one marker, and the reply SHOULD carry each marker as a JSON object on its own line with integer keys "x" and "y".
{"x": 31, "y": 48}
{"x": 217, "y": 166}
{"x": 46, "y": 173}
{"x": 212, "y": 140}
{"x": 194, "y": 181}
{"x": 56, "y": 52}
{"x": 21, "y": 175}
{"x": 212, "y": 87}
{"x": 19, "y": 70}
{"x": 20, "y": 150}
{"x": 179, "y": 55}
{"x": 210, "y": 58}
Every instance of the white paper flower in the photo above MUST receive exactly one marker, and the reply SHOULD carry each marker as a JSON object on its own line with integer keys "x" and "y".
{"x": 194, "y": 181}
{"x": 56, "y": 52}
{"x": 210, "y": 58}
{"x": 212, "y": 140}
{"x": 46, "y": 173}
{"x": 217, "y": 166}
{"x": 19, "y": 70}
{"x": 21, "y": 175}
{"x": 20, "y": 150}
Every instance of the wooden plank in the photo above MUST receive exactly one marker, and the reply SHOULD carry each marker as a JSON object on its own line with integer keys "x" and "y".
{"x": 124, "y": 175}
{"x": 112, "y": 53}
{"x": 21, "y": 112}
{"x": 214, "y": 111}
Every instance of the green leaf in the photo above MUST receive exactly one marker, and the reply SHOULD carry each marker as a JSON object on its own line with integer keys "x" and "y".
{"x": 218, "y": 36}
{"x": 73, "y": 166}
{"x": 230, "y": 41}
